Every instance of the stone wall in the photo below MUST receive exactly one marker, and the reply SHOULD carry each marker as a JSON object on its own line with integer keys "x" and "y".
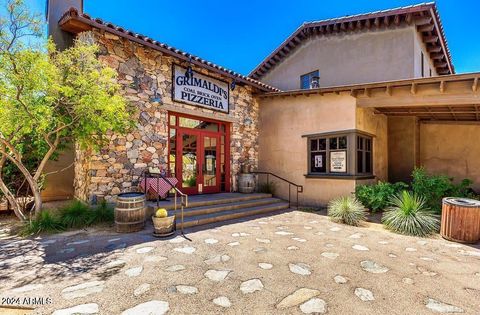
{"x": 142, "y": 71}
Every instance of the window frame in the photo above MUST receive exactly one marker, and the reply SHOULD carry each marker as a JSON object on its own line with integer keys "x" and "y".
{"x": 310, "y": 75}
{"x": 350, "y": 149}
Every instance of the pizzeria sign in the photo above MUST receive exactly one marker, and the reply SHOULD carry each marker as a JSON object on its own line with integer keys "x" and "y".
{"x": 200, "y": 90}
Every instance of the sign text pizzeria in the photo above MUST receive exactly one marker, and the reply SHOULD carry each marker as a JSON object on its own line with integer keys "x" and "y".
{"x": 200, "y": 90}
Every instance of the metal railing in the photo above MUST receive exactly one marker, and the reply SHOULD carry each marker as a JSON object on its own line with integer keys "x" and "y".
{"x": 299, "y": 188}
{"x": 183, "y": 197}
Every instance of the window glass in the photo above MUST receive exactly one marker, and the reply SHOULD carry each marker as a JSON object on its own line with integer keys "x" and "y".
{"x": 318, "y": 162}
{"x": 342, "y": 142}
{"x": 333, "y": 143}
{"x": 310, "y": 80}
{"x": 173, "y": 120}
{"x": 322, "y": 144}
{"x": 314, "y": 144}
{"x": 197, "y": 124}
{"x": 364, "y": 155}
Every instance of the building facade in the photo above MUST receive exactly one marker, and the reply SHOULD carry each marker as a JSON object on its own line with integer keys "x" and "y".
{"x": 340, "y": 103}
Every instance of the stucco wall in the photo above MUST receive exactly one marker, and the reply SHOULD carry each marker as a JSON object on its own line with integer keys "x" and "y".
{"x": 452, "y": 149}
{"x": 350, "y": 58}
{"x": 283, "y": 151}
{"x": 59, "y": 183}
{"x": 418, "y": 48}
{"x": 376, "y": 125}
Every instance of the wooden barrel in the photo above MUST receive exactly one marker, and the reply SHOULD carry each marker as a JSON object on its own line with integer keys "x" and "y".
{"x": 130, "y": 212}
{"x": 246, "y": 183}
{"x": 461, "y": 220}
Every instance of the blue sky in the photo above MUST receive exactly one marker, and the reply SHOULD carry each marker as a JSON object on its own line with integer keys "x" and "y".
{"x": 239, "y": 34}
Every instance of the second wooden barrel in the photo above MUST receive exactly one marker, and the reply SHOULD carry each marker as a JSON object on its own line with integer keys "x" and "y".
{"x": 130, "y": 212}
{"x": 246, "y": 183}
{"x": 461, "y": 220}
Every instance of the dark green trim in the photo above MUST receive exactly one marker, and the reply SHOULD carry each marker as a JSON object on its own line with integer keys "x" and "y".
{"x": 332, "y": 176}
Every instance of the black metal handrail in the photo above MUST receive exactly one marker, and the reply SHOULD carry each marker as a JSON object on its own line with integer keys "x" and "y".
{"x": 183, "y": 197}
{"x": 290, "y": 184}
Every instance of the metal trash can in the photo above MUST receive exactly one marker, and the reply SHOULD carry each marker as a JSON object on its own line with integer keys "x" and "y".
{"x": 460, "y": 220}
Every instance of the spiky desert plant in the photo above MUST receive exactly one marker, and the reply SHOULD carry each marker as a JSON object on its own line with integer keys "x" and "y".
{"x": 46, "y": 222}
{"x": 347, "y": 210}
{"x": 408, "y": 214}
{"x": 76, "y": 215}
{"x": 103, "y": 213}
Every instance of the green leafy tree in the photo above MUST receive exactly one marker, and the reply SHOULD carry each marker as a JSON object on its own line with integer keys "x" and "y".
{"x": 50, "y": 98}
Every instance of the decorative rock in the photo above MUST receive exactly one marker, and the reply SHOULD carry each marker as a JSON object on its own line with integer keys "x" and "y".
{"x": 422, "y": 243}
{"x": 211, "y": 241}
{"x": 175, "y": 268}
{"x": 307, "y": 227}
{"x": 392, "y": 255}
{"x": 185, "y": 289}
{"x": 383, "y": 242}
{"x": 233, "y": 244}
{"x": 297, "y": 297}
{"x": 283, "y": 233}
{"x": 315, "y": 305}
{"x": 410, "y": 249}
{"x": 360, "y": 248}
{"x": 300, "y": 269}
{"x": 84, "y": 309}
{"x": 439, "y": 307}
{"x": 151, "y": 308}
{"x": 452, "y": 245}
{"x": 144, "y": 250}
{"x": 185, "y": 250}
{"x": 428, "y": 259}
{"x": 240, "y": 234}
{"x": 301, "y": 240}
{"x": 216, "y": 259}
{"x": 177, "y": 240}
{"x": 260, "y": 250}
{"x": 373, "y": 267}
{"x": 426, "y": 272}
{"x": 469, "y": 253}
{"x": 356, "y": 236}
{"x": 134, "y": 272}
{"x": 263, "y": 240}
{"x": 335, "y": 229}
{"x": 292, "y": 248}
{"x": 340, "y": 279}
{"x": 251, "y": 286}
{"x": 222, "y": 301}
{"x": 143, "y": 288}
{"x": 83, "y": 289}
{"x": 407, "y": 281}
{"x": 155, "y": 258}
{"x": 28, "y": 288}
{"x": 78, "y": 242}
{"x": 364, "y": 294}
{"x": 216, "y": 275}
{"x": 265, "y": 266}
{"x": 330, "y": 255}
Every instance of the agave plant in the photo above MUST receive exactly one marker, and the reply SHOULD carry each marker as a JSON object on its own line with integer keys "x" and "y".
{"x": 76, "y": 215}
{"x": 347, "y": 210}
{"x": 408, "y": 214}
{"x": 46, "y": 222}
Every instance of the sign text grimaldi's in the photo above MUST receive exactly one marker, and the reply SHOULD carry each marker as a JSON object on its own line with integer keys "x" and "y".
{"x": 200, "y": 90}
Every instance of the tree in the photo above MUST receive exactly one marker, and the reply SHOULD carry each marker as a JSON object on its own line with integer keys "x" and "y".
{"x": 49, "y": 98}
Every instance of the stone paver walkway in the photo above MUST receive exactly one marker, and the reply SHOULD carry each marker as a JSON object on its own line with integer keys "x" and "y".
{"x": 290, "y": 263}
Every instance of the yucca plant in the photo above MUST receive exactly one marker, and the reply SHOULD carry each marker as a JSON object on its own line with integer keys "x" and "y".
{"x": 347, "y": 210}
{"x": 408, "y": 214}
{"x": 76, "y": 215}
{"x": 46, "y": 222}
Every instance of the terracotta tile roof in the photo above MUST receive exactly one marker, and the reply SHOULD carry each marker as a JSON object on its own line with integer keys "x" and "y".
{"x": 74, "y": 22}
{"x": 425, "y": 16}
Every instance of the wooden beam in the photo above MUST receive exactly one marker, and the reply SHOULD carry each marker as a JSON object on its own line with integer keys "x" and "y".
{"x": 442, "y": 86}
{"x": 366, "y": 92}
{"x": 409, "y": 18}
{"x": 437, "y": 56}
{"x": 376, "y": 22}
{"x": 396, "y": 20}
{"x": 413, "y": 88}
{"x": 353, "y": 93}
{"x": 440, "y": 64}
{"x": 443, "y": 71}
{"x": 368, "y": 24}
{"x": 386, "y": 21}
{"x": 419, "y": 100}
{"x": 432, "y": 49}
{"x": 351, "y": 26}
{"x": 388, "y": 90}
{"x": 423, "y": 20}
{"x": 430, "y": 39}
{"x": 426, "y": 28}
{"x": 475, "y": 85}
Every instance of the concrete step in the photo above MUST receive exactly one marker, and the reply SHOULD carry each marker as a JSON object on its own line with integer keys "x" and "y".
{"x": 208, "y": 200}
{"x": 196, "y": 211}
{"x": 226, "y": 215}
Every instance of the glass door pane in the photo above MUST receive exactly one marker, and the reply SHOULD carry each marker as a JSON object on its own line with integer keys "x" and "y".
{"x": 210, "y": 161}
{"x": 189, "y": 161}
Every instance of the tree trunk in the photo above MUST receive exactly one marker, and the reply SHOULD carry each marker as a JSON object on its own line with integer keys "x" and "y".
{"x": 12, "y": 201}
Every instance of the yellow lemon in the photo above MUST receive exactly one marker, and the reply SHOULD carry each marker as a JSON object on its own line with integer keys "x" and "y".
{"x": 161, "y": 213}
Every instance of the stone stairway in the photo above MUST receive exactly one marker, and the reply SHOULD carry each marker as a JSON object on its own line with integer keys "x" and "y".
{"x": 207, "y": 209}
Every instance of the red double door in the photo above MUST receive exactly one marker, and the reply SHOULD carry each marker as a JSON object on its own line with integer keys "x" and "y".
{"x": 199, "y": 163}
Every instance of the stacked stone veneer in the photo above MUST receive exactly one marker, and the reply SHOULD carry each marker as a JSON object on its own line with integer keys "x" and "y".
{"x": 141, "y": 71}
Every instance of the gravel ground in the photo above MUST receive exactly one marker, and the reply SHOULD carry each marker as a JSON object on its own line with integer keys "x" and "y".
{"x": 289, "y": 263}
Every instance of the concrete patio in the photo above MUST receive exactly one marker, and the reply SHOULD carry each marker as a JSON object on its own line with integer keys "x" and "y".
{"x": 289, "y": 263}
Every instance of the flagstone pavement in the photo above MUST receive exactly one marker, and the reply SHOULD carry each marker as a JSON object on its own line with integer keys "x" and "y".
{"x": 290, "y": 263}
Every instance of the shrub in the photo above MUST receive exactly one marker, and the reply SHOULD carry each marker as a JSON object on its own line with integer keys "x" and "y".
{"x": 76, "y": 215}
{"x": 46, "y": 222}
{"x": 435, "y": 187}
{"x": 347, "y": 210}
{"x": 410, "y": 215}
{"x": 376, "y": 197}
{"x": 102, "y": 214}
{"x": 267, "y": 188}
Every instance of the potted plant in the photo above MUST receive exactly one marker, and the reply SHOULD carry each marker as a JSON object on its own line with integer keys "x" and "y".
{"x": 163, "y": 224}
